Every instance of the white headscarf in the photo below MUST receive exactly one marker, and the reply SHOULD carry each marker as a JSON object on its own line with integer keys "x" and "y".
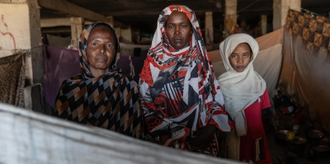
{"x": 240, "y": 89}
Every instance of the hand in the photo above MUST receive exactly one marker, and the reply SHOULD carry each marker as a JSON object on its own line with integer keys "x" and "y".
{"x": 203, "y": 137}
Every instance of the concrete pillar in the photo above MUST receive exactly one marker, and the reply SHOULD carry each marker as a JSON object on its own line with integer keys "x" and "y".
{"x": 230, "y": 16}
{"x": 263, "y": 24}
{"x": 21, "y": 30}
{"x": 127, "y": 34}
{"x": 136, "y": 35}
{"x": 118, "y": 32}
{"x": 209, "y": 27}
{"x": 110, "y": 21}
{"x": 77, "y": 25}
{"x": 280, "y": 10}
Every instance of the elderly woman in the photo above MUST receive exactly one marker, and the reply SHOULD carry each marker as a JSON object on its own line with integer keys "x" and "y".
{"x": 182, "y": 102}
{"x": 101, "y": 95}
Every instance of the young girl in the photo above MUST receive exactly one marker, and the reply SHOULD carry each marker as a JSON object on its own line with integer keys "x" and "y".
{"x": 245, "y": 95}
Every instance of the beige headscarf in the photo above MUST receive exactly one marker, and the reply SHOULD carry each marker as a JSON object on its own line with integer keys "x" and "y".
{"x": 240, "y": 89}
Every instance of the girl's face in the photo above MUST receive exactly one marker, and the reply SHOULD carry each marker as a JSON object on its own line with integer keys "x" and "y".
{"x": 241, "y": 56}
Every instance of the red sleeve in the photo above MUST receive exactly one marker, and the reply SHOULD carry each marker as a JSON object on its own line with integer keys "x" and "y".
{"x": 265, "y": 102}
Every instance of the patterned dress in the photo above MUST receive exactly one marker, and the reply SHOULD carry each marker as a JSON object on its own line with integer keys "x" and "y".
{"x": 179, "y": 93}
{"x": 109, "y": 101}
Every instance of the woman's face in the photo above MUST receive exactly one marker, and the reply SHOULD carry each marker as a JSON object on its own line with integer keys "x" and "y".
{"x": 101, "y": 48}
{"x": 240, "y": 57}
{"x": 178, "y": 30}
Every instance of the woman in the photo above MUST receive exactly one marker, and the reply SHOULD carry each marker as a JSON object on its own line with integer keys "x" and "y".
{"x": 245, "y": 96}
{"x": 101, "y": 95}
{"x": 181, "y": 100}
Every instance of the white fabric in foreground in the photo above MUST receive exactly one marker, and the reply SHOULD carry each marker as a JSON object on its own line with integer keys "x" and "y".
{"x": 28, "y": 137}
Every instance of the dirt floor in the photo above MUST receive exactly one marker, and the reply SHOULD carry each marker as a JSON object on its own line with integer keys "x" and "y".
{"x": 285, "y": 153}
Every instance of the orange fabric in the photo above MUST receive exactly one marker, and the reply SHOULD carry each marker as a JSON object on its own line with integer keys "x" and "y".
{"x": 230, "y": 25}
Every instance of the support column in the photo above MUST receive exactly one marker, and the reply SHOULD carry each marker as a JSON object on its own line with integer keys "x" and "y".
{"x": 77, "y": 25}
{"x": 118, "y": 32}
{"x": 280, "y": 10}
{"x": 127, "y": 34}
{"x": 20, "y": 30}
{"x": 209, "y": 30}
{"x": 230, "y": 16}
{"x": 263, "y": 24}
{"x": 136, "y": 36}
{"x": 110, "y": 21}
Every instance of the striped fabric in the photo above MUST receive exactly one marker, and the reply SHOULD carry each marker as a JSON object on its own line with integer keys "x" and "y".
{"x": 109, "y": 101}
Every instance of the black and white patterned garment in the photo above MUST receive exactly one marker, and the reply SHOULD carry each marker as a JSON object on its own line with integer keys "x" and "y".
{"x": 109, "y": 101}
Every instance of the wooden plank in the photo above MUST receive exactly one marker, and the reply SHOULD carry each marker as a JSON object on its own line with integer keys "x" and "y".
{"x": 55, "y": 22}
{"x": 134, "y": 12}
{"x": 57, "y": 30}
{"x": 72, "y": 9}
{"x": 132, "y": 4}
{"x": 144, "y": 12}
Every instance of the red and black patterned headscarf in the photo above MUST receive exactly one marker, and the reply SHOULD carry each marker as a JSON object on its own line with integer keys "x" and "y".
{"x": 109, "y": 101}
{"x": 179, "y": 93}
